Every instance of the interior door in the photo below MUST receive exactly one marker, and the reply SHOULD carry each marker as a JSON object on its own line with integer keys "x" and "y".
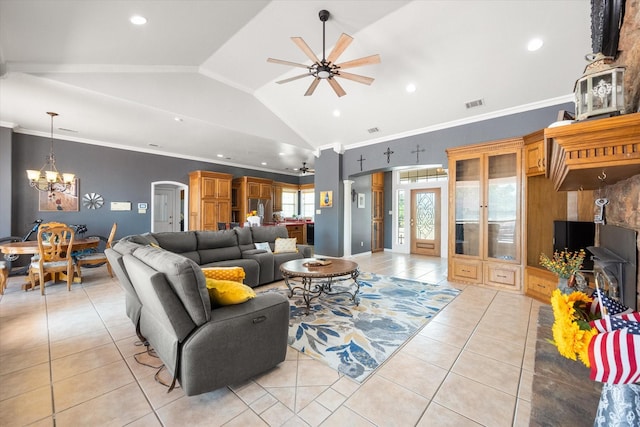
{"x": 425, "y": 222}
{"x": 163, "y": 210}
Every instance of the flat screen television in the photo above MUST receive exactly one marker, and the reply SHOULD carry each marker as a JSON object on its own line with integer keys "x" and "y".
{"x": 573, "y": 236}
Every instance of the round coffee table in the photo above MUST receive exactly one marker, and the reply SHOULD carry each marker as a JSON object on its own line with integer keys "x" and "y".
{"x": 313, "y": 277}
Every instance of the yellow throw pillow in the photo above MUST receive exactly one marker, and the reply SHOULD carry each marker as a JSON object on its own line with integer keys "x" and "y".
{"x": 226, "y": 292}
{"x": 285, "y": 245}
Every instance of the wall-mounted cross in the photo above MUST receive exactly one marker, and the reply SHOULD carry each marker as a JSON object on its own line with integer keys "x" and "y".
{"x": 361, "y": 160}
{"x": 388, "y": 153}
{"x": 418, "y": 151}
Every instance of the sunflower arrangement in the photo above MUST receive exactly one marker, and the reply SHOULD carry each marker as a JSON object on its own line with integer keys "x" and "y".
{"x": 571, "y": 330}
{"x": 252, "y": 213}
{"x": 564, "y": 263}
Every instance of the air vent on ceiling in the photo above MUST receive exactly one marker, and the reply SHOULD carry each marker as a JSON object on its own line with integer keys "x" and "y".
{"x": 373, "y": 130}
{"x": 474, "y": 103}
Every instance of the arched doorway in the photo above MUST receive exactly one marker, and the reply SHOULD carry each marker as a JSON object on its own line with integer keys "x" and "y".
{"x": 169, "y": 204}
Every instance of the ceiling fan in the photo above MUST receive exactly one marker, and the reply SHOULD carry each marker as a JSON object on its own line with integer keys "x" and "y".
{"x": 304, "y": 169}
{"x": 327, "y": 69}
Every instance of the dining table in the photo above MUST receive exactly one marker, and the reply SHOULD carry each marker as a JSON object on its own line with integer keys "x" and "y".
{"x": 30, "y": 247}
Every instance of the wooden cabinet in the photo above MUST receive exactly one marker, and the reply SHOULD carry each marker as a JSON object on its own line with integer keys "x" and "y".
{"x": 277, "y": 197}
{"x": 258, "y": 190}
{"x": 589, "y": 154}
{"x": 299, "y": 231}
{"x": 209, "y": 199}
{"x": 485, "y": 210}
{"x": 535, "y": 155}
{"x": 540, "y": 283}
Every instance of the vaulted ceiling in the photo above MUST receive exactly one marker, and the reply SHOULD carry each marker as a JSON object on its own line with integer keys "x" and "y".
{"x": 194, "y": 81}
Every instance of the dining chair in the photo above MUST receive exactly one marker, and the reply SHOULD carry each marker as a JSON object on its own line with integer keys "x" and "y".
{"x": 97, "y": 257}
{"x": 4, "y": 276}
{"x": 55, "y": 244}
{"x": 222, "y": 226}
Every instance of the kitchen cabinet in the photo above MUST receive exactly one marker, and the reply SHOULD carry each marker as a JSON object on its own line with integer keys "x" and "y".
{"x": 485, "y": 205}
{"x": 209, "y": 199}
{"x": 535, "y": 153}
{"x": 277, "y": 197}
{"x": 248, "y": 191}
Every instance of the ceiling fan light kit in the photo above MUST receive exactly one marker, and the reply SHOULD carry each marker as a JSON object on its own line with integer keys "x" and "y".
{"x": 327, "y": 69}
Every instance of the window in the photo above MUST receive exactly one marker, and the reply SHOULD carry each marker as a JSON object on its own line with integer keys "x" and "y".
{"x": 400, "y": 224}
{"x": 289, "y": 203}
{"x": 308, "y": 203}
{"x": 423, "y": 175}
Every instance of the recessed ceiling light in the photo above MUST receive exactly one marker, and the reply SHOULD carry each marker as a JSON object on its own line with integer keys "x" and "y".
{"x": 411, "y": 88}
{"x": 280, "y": 154}
{"x": 178, "y": 119}
{"x": 138, "y": 20}
{"x": 336, "y": 113}
{"x": 220, "y": 155}
{"x": 264, "y": 163}
{"x": 534, "y": 44}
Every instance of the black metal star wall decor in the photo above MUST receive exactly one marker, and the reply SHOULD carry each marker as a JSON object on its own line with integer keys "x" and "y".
{"x": 418, "y": 150}
{"x": 388, "y": 153}
{"x": 361, "y": 160}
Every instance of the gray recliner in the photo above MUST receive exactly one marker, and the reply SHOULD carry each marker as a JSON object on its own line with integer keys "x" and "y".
{"x": 203, "y": 348}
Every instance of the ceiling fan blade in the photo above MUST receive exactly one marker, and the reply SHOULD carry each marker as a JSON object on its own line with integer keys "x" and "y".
{"x": 280, "y": 61}
{"x": 373, "y": 59}
{"x": 343, "y": 42}
{"x": 305, "y": 48}
{"x": 312, "y": 87}
{"x": 336, "y": 87}
{"x": 290, "y": 79}
{"x": 356, "y": 77}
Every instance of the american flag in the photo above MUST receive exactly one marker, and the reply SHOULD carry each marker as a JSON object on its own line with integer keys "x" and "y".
{"x": 613, "y": 357}
{"x": 614, "y": 352}
{"x": 611, "y": 306}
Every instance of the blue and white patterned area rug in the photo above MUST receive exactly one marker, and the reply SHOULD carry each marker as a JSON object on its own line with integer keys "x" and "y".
{"x": 355, "y": 340}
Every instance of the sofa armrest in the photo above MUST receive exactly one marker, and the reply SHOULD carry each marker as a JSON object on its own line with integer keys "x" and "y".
{"x": 305, "y": 251}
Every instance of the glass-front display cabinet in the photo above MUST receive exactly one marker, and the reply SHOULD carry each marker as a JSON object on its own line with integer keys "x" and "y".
{"x": 485, "y": 227}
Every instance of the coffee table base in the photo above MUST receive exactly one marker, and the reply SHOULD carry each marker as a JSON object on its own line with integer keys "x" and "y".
{"x": 312, "y": 287}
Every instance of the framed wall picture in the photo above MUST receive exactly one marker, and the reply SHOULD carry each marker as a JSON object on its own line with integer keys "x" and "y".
{"x": 60, "y": 200}
{"x": 361, "y": 199}
{"x": 326, "y": 199}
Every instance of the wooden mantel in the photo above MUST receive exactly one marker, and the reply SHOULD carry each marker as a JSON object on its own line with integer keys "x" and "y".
{"x": 590, "y": 154}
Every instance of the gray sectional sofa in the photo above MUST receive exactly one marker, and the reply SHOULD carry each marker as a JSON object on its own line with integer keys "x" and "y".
{"x": 205, "y": 348}
{"x": 229, "y": 248}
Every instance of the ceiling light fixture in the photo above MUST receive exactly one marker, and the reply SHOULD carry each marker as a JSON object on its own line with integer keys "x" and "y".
{"x": 48, "y": 178}
{"x": 336, "y": 113}
{"x": 534, "y": 44}
{"x": 410, "y": 88}
{"x": 138, "y": 20}
{"x": 220, "y": 155}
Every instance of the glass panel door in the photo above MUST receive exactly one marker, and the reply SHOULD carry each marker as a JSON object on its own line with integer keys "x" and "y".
{"x": 467, "y": 211}
{"x": 502, "y": 207}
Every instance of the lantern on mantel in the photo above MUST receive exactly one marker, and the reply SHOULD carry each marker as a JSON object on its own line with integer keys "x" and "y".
{"x": 600, "y": 91}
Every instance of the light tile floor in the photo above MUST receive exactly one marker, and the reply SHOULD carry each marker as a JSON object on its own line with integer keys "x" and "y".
{"x": 67, "y": 359}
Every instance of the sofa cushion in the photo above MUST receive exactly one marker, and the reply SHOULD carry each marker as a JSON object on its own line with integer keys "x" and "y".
{"x": 285, "y": 245}
{"x": 245, "y": 238}
{"x": 269, "y": 233}
{"x": 228, "y": 292}
{"x": 217, "y": 246}
{"x": 184, "y": 276}
{"x": 184, "y": 243}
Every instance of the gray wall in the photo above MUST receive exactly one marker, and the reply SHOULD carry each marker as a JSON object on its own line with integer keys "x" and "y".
{"x": 361, "y": 217}
{"x": 5, "y": 179}
{"x": 329, "y": 223}
{"x": 117, "y": 175}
